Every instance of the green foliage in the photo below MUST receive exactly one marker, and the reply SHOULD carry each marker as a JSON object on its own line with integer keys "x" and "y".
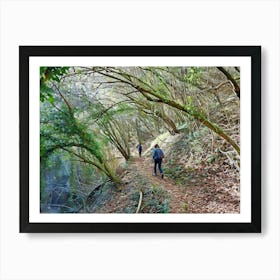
{"x": 61, "y": 130}
{"x": 165, "y": 206}
{"x": 193, "y": 76}
{"x": 156, "y": 200}
{"x": 72, "y": 178}
{"x": 174, "y": 171}
{"x": 48, "y": 74}
{"x": 186, "y": 207}
{"x": 211, "y": 159}
{"x": 46, "y": 93}
{"x": 52, "y": 73}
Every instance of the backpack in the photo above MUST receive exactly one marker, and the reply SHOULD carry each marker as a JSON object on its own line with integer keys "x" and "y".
{"x": 158, "y": 154}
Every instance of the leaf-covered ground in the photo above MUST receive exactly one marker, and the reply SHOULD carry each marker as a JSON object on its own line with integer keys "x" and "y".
{"x": 207, "y": 187}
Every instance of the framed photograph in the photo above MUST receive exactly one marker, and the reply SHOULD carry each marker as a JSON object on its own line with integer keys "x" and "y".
{"x": 140, "y": 139}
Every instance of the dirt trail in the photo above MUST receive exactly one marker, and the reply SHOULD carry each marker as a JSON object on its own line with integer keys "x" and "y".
{"x": 204, "y": 192}
{"x": 177, "y": 196}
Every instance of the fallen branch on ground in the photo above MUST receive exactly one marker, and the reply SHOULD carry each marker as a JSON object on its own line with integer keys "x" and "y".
{"x": 140, "y": 202}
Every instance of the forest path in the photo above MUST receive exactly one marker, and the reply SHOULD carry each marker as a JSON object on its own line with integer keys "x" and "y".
{"x": 177, "y": 195}
{"x": 203, "y": 191}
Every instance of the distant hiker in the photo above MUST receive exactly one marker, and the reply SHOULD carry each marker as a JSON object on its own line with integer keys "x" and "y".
{"x": 158, "y": 155}
{"x": 140, "y": 148}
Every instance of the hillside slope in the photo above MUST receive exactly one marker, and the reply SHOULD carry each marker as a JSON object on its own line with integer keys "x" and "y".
{"x": 208, "y": 185}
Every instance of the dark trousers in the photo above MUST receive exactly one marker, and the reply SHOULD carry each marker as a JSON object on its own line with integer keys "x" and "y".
{"x": 157, "y": 162}
{"x": 140, "y": 153}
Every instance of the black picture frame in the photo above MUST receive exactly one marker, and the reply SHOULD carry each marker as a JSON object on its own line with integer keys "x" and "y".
{"x": 254, "y": 52}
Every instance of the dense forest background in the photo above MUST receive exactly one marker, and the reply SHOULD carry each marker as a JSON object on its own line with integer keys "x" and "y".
{"x": 93, "y": 118}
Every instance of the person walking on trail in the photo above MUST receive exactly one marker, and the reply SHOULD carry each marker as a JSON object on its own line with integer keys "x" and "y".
{"x": 158, "y": 155}
{"x": 140, "y": 148}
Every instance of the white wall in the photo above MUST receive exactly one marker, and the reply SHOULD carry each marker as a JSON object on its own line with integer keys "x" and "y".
{"x": 139, "y": 256}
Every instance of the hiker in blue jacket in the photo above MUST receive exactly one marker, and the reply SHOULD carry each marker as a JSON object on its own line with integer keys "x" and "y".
{"x": 158, "y": 155}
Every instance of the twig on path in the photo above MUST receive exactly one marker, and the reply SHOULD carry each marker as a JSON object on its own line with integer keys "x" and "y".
{"x": 140, "y": 202}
